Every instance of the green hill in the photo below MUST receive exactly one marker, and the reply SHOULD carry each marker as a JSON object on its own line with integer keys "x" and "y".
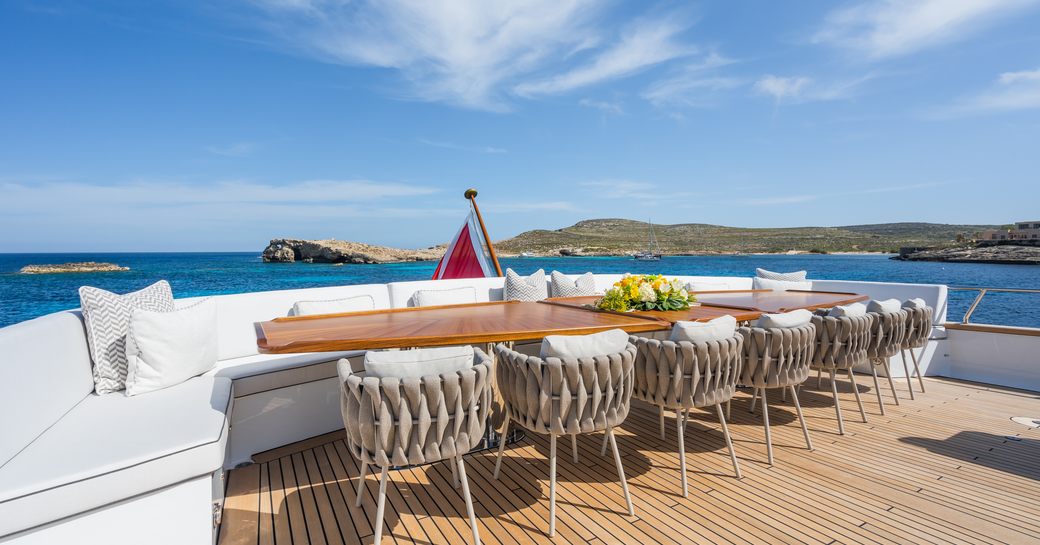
{"x": 621, "y": 236}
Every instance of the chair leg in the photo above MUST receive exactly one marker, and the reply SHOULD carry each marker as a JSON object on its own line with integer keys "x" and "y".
{"x": 801, "y": 417}
{"x": 906, "y": 370}
{"x": 729, "y": 440}
{"x": 621, "y": 473}
{"x": 754, "y": 398}
{"x": 837, "y": 405}
{"x": 501, "y": 448}
{"x": 606, "y": 440}
{"x": 917, "y": 369}
{"x": 469, "y": 501}
{"x": 662, "y": 422}
{"x": 877, "y": 387}
{"x": 682, "y": 453}
{"x": 380, "y": 504}
{"x": 819, "y": 379}
{"x": 729, "y": 406}
{"x": 855, "y": 390}
{"x": 454, "y": 474}
{"x": 361, "y": 484}
{"x": 891, "y": 383}
{"x": 765, "y": 421}
{"x": 552, "y": 485}
{"x": 574, "y": 448}
{"x": 685, "y": 419}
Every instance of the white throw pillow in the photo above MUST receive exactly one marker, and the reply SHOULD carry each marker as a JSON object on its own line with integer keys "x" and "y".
{"x": 886, "y": 305}
{"x": 562, "y": 286}
{"x": 584, "y": 346}
{"x": 107, "y": 319}
{"x": 417, "y": 363}
{"x": 795, "y": 318}
{"x": 718, "y": 329}
{"x": 916, "y": 303}
{"x": 850, "y": 310}
{"x": 334, "y": 306}
{"x": 525, "y": 288}
{"x": 164, "y": 349}
{"x": 453, "y": 296}
{"x": 707, "y": 286}
{"x": 796, "y": 276}
{"x": 778, "y": 285}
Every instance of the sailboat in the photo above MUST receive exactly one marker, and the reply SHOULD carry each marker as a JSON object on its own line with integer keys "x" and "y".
{"x": 652, "y": 253}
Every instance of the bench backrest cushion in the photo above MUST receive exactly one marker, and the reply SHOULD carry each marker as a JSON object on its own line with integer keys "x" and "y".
{"x": 237, "y": 314}
{"x": 45, "y": 363}
{"x": 402, "y": 294}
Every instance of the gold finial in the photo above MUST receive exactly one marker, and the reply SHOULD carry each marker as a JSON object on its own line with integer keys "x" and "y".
{"x": 470, "y": 193}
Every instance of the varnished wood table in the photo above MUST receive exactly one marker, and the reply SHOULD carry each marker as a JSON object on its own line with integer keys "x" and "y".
{"x": 768, "y": 301}
{"x": 477, "y": 323}
{"x": 696, "y": 313}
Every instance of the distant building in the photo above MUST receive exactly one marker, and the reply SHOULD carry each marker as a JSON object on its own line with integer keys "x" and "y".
{"x": 1023, "y": 230}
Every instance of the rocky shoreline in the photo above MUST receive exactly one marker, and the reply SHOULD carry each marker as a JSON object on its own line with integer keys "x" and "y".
{"x": 80, "y": 267}
{"x": 1005, "y": 255}
{"x": 286, "y": 250}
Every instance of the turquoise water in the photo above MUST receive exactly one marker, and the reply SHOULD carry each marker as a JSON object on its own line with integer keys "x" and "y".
{"x": 26, "y": 296}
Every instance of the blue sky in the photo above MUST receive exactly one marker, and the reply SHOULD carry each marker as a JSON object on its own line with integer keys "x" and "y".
{"x": 133, "y": 126}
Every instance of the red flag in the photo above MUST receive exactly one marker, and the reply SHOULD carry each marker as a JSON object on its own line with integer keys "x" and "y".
{"x": 468, "y": 255}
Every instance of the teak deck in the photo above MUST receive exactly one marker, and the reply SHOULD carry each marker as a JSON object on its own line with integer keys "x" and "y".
{"x": 438, "y": 326}
{"x": 936, "y": 470}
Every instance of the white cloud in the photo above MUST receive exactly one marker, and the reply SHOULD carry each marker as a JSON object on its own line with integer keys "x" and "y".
{"x": 643, "y": 44}
{"x": 524, "y": 207}
{"x": 1011, "y": 91}
{"x": 454, "y": 146}
{"x": 623, "y": 189}
{"x": 602, "y": 105}
{"x": 887, "y": 28}
{"x": 692, "y": 85}
{"x": 473, "y": 53}
{"x": 238, "y": 149}
{"x": 782, "y": 88}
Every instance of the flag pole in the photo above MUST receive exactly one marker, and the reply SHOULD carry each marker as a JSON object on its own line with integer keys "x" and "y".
{"x": 471, "y": 195}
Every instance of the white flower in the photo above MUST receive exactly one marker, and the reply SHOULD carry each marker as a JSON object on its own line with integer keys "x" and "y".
{"x": 665, "y": 288}
{"x": 646, "y": 293}
{"x": 677, "y": 285}
{"x": 684, "y": 294}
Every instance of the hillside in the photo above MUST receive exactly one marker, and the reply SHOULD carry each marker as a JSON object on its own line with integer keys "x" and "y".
{"x": 621, "y": 236}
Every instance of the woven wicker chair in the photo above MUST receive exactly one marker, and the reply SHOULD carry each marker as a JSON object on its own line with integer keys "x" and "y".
{"x": 565, "y": 397}
{"x": 777, "y": 358}
{"x": 409, "y": 421}
{"x": 918, "y": 329}
{"x": 841, "y": 344}
{"x": 680, "y": 376}
{"x": 889, "y": 331}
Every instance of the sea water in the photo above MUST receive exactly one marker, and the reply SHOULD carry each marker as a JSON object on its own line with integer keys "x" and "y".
{"x": 24, "y": 296}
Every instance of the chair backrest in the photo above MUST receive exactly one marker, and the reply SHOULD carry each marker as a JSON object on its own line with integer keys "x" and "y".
{"x": 777, "y": 357}
{"x": 46, "y": 369}
{"x": 565, "y": 396}
{"x": 393, "y": 422}
{"x": 918, "y": 326}
{"x": 682, "y": 375}
{"x": 888, "y": 333}
{"x": 842, "y": 341}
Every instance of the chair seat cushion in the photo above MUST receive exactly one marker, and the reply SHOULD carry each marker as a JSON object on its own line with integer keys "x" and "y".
{"x": 112, "y": 447}
{"x": 720, "y": 328}
{"x": 584, "y": 346}
{"x": 795, "y": 318}
{"x": 850, "y": 310}
{"x": 418, "y": 363}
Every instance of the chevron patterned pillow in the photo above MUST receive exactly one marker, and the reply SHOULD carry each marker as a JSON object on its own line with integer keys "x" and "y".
{"x": 797, "y": 276}
{"x": 565, "y": 287}
{"x": 525, "y": 288}
{"x": 107, "y": 318}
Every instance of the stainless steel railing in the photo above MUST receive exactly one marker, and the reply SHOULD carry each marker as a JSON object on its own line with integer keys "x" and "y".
{"x": 982, "y": 293}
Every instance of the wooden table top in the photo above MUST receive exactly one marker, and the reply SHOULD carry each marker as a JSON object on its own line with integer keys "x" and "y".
{"x": 439, "y": 326}
{"x": 698, "y": 313}
{"x": 768, "y": 301}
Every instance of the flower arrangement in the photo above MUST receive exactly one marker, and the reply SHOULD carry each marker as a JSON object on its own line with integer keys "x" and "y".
{"x": 646, "y": 292}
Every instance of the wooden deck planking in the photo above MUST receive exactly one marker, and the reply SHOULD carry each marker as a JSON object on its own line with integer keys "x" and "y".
{"x": 938, "y": 469}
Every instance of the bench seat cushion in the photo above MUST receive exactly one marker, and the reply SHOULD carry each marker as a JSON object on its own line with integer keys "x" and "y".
{"x": 263, "y": 372}
{"x": 112, "y": 447}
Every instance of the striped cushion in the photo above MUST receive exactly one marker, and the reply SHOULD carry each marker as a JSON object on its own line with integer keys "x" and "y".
{"x": 797, "y": 276}
{"x": 107, "y": 319}
{"x": 565, "y": 287}
{"x": 525, "y": 288}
